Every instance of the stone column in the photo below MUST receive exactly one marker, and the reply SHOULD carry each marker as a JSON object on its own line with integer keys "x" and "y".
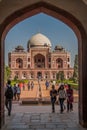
{"x": 43, "y": 74}
{"x": 45, "y": 62}
{"x": 20, "y": 74}
{"x": 83, "y": 81}
{"x": 32, "y": 62}
{"x": 35, "y": 74}
{"x": 2, "y": 118}
{"x": 51, "y": 76}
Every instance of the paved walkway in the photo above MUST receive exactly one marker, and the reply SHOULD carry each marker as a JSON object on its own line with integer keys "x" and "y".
{"x": 26, "y": 94}
{"x": 41, "y": 118}
{"x": 34, "y": 94}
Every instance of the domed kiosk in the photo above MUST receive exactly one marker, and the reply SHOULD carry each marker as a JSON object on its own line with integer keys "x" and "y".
{"x": 38, "y": 40}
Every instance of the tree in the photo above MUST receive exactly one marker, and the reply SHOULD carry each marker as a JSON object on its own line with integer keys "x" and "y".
{"x": 75, "y": 74}
{"x": 16, "y": 78}
{"x": 7, "y": 73}
{"x": 60, "y": 76}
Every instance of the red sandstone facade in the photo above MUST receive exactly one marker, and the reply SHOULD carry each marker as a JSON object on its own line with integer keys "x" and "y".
{"x": 39, "y": 60}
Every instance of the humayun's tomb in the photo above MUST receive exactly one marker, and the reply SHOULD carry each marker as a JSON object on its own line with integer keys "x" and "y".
{"x": 39, "y": 60}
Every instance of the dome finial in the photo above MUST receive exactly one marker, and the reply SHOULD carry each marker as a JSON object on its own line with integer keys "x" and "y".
{"x": 39, "y": 31}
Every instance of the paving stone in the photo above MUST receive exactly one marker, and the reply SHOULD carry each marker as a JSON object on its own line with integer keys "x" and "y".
{"x": 19, "y": 129}
{"x": 51, "y": 126}
{"x": 35, "y": 117}
{"x": 17, "y": 126}
{"x": 35, "y": 120}
{"x": 37, "y": 126}
{"x": 27, "y": 118}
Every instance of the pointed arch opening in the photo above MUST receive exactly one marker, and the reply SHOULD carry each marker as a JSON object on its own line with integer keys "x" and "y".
{"x": 68, "y": 19}
{"x": 59, "y": 63}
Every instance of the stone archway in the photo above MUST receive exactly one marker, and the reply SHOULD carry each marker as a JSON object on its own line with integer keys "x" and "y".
{"x": 39, "y": 74}
{"x": 59, "y": 63}
{"x": 71, "y": 21}
{"x": 19, "y": 63}
{"x": 39, "y": 61}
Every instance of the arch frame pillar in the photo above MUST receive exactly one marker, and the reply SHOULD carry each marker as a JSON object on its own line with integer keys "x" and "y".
{"x": 76, "y": 26}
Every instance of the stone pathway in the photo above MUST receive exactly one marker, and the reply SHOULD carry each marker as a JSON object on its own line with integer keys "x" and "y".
{"x": 26, "y": 94}
{"x": 45, "y": 94}
{"x": 41, "y": 118}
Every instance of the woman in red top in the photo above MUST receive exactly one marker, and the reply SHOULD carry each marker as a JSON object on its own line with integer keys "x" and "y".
{"x": 69, "y": 92}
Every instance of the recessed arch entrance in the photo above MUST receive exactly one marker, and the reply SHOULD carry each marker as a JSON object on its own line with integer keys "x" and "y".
{"x": 39, "y": 61}
{"x": 39, "y": 75}
{"x": 68, "y": 19}
{"x": 59, "y": 63}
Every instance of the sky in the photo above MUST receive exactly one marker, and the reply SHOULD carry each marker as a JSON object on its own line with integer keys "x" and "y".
{"x": 57, "y": 32}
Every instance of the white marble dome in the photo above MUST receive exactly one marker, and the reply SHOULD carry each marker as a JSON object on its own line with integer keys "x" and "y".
{"x": 39, "y": 40}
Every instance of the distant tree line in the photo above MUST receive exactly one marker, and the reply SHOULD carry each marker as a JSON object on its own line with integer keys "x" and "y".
{"x": 7, "y": 73}
{"x": 75, "y": 74}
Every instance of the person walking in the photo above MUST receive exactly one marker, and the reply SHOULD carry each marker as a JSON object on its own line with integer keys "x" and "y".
{"x": 8, "y": 97}
{"x": 69, "y": 93}
{"x": 53, "y": 94}
{"x": 47, "y": 84}
{"x": 15, "y": 91}
{"x": 18, "y": 92}
{"x": 29, "y": 85}
{"x": 23, "y": 86}
{"x": 62, "y": 97}
{"x": 32, "y": 85}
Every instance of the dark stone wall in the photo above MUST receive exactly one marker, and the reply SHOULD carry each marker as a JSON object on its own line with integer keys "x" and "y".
{"x": 1, "y": 85}
{"x": 71, "y": 21}
{"x": 83, "y": 80}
